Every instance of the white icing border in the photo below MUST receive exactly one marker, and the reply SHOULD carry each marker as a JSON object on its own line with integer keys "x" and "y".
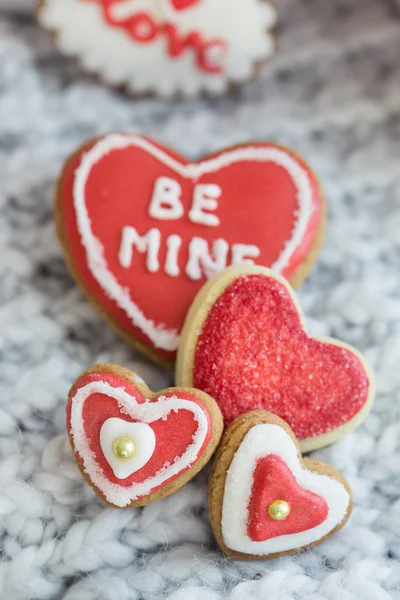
{"x": 158, "y": 334}
{"x": 260, "y": 441}
{"x": 146, "y": 413}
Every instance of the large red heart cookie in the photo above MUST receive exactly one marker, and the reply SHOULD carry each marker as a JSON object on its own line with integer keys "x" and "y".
{"x": 245, "y": 344}
{"x": 142, "y": 228}
{"x": 164, "y": 47}
{"x": 133, "y": 446}
{"x": 265, "y": 500}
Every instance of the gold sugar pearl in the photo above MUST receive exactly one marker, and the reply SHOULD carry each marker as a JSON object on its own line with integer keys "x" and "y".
{"x": 279, "y": 510}
{"x": 124, "y": 447}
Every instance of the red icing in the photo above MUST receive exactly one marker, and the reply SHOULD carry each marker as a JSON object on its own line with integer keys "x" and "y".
{"x": 273, "y": 480}
{"x": 253, "y": 353}
{"x": 183, "y": 4}
{"x": 177, "y": 44}
{"x": 257, "y": 206}
{"x": 142, "y": 27}
{"x": 173, "y": 434}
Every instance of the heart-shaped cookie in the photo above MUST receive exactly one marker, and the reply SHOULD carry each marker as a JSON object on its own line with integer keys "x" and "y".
{"x": 244, "y": 343}
{"x": 134, "y": 446}
{"x": 142, "y": 228}
{"x": 265, "y": 500}
{"x": 164, "y": 47}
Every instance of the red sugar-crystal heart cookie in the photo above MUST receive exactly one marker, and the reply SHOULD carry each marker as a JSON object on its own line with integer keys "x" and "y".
{"x": 134, "y": 446}
{"x": 265, "y": 500}
{"x": 164, "y": 47}
{"x": 244, "y": 343}
{"x": 142, "y": 228}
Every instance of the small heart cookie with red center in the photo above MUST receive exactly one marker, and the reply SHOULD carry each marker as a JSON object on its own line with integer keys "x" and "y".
{"x": 133, "y": 446}
{"x": 164, "y": 47}
{"x": 142, "y": 228}
{"x": 265, "y": 500}
{"x": 244, "y": 343}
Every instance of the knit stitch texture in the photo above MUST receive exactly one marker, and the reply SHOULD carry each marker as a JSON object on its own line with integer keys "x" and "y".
{"x": 333, "y": 94}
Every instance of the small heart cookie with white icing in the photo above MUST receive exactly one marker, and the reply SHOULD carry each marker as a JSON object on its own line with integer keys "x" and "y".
{"x": 265, "y": 500}
{"x": 164, "y": 47}
{"x": 133, "y": 446}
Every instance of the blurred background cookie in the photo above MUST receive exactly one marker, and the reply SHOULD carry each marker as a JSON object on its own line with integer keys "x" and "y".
{"x": 164, "y": 47}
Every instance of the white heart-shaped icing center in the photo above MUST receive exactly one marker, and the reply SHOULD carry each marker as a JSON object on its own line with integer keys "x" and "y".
{"x": 143, "y": 439}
